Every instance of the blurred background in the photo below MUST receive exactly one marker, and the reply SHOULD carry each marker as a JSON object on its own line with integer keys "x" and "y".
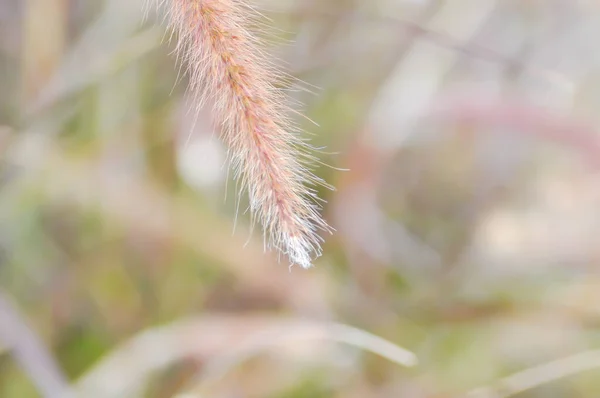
{"x": 467, "y": 224}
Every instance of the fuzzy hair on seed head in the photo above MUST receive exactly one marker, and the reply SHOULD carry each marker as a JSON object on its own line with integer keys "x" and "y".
{"x": 227, "y": 66}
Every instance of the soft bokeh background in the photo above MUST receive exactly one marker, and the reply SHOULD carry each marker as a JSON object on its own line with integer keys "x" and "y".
{"x": 467, "y": 225}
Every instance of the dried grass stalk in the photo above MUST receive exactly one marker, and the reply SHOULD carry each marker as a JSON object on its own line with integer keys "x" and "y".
{"x": 228, "y": 67}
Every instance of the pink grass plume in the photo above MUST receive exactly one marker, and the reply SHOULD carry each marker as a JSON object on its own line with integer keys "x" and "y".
{"x": 228, "y": 67}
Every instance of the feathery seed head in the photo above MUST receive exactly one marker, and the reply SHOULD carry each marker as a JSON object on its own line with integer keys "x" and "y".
{"x": 226, "y": 64}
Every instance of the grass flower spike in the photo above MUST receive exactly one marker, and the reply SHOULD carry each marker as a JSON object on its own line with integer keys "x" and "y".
{"x": 227, "y": 66}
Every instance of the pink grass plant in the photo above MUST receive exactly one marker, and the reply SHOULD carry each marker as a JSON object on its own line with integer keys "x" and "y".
{"x": 227, "y": 66}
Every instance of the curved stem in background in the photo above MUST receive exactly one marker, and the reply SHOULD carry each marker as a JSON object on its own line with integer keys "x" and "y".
{"x": 295, "y": 331}
{"x": 538, "y": 375}
{"x": 530, "y": 119}
{"x": 123, "y": 373}
{"x": 29, "y": 351}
